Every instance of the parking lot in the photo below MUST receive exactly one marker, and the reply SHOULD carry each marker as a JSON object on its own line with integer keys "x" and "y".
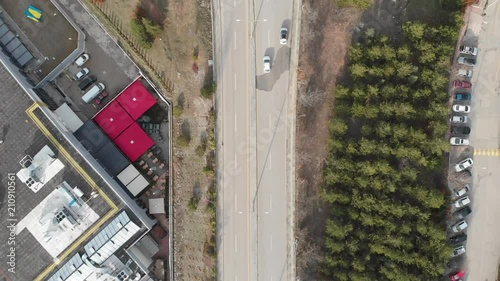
{"x": 482, "y": 246}
{"x": 53, "y": 28}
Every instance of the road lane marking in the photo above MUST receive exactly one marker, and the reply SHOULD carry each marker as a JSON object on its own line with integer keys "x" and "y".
{"x": 271, "y": 244}
{"x": 235, "y": 244}
{"x": 235, "y": 81}
{"x": 269, "y": 38}
{"x": 236, "y": 162}
{"x": 234, "y": 2}
{"x": 270, "y": 121}
{"x": 235, "y": 49}
{"x": 486, "y": 152}
{"x": 270, "y": 162}
{"x": 270, "y": 203}
{"x": 235, "y": 122}
{"x": 235, "y": 202}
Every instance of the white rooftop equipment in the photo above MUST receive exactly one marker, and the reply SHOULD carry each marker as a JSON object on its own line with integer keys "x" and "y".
{"x": 37, "y": 171}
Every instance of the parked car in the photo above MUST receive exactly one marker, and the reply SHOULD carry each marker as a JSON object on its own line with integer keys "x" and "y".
{"x": 98, "y": 100}
{"x": 463, "y": 96}
{"x": 460, "y": 250}
{"x": 283, "y": 36}
{"x": 462, "y": 213}
{"x": 462, "y": 84}
{"x": 465, "y": 73}
{"x": 460, "y": 130}
{"x": 82, "y": 59}
{"x": 464, "y": 164}
{"x": 458, "y": 238}
{"x": 460, "y": 226}
{"x": 462, "y": 202}
{"x": 461, "y": 108}
{"x": 267, "y": 64}
{"x": 467, "y": 50}
{"x": 86, "y": 82}
{"x": 459, "y": 119}
{"x": 457, "y": 276}
{"x": 466, "y": 61}
{"x": 459, "y": 141}
{"x": 462, "y": 191}
{"x": 82, "y": 73}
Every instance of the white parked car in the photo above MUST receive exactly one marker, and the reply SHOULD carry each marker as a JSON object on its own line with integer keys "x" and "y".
{"x": 462, "y": 202}
{"x": 467, "y": 50}
{"x": 81, "y": 73}
{"x": 465, "y": 73}
{"x": 267, "y": 64}
{"x": 461, "y": 108}
{"x": 82, "y": 59}
{"x": 458, "y": 251}
{"x": 461, "y": 225}
{"x": 459, "y": 141}
{"x": 459, "y": 119}
{"x": 464, "y": 164}
{"x": 462, "y": 191}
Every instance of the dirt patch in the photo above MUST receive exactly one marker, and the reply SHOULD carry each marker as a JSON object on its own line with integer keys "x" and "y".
{"x": 326, "y": 38}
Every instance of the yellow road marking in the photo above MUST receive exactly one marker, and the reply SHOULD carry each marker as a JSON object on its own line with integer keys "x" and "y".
{"x": 86, "y": 177}
{"x": 486, "y": 152}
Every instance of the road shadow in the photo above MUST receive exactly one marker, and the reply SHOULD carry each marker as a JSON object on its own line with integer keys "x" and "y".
{"x": 279, "y": 64}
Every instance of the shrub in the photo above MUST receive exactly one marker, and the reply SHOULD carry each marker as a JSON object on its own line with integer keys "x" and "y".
{"x": 139, "y": 32}
{"x": 151, "y": 28}
{"x": 207, "y": 91}
{"x": 360, "y": 4}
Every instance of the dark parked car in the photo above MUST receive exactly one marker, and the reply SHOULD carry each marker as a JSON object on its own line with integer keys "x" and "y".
{"x": 462, "y": 213}
{"x": 87, "y": 82}
{"x": 458, "y": 238}
{"x": 466, "y": 61}
{"x": 460, "y": 130}
{"x": 463, "y": 96}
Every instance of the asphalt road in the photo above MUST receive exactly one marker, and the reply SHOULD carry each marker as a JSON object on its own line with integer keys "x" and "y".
{"x": 234, "y": 74}
{"x": 271, "y": 115}
{"x": 483, "y": 245}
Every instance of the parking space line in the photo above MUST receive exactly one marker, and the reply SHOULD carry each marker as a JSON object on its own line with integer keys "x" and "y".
{"x": 114, "y": 209}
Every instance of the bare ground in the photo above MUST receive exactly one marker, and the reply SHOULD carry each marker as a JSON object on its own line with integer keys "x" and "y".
{"x": 326, "y": 38}
{"x": 185, "y": 40}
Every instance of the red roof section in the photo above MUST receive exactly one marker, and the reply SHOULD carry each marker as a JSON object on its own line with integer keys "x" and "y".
{"x": 136, "y": 99}
{"x": 113, "y": 119}
{"x": 134, "y": 142}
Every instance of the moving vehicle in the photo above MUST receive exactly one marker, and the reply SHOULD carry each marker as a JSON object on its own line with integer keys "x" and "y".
{"x": 460, "y": 226}
{"x": 80, "y": 74}
{"x": 462, "y": 202}
{"x": 461, "y": 108}
{"x": 459, "y": 119}
{"x": 458, "y": 238}
{"x": 267, "y": 64}
{"x": 462, "y": 84}
{"x": 466, "y": 61}
{"x": 460, "y": 250}
{"x": 464, "y": 164}
{"x": 459, "y": 141}
{"x": 462, "y": 191}
{"x": 82, "y": 59}
{"x": 460, "y": 130}
{"x": 465, "y": 73}
{"x": 462, "y": 213}
{"x": 463, "y": 96}
{"x": 93, "y": 92}
{"x": 283, "y": 36}
{"x": 467, "y": 50}
{"x": 86, "y": 82}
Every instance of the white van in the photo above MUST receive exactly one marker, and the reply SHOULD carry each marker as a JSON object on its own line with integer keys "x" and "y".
{"x": 93, "y": 92}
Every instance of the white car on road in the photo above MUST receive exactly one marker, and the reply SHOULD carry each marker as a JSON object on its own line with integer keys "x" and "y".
{"x": 465, "y": 73}
{"x": 461, "y": 108}
{"x": 267, "y": 64}
{"x": 462, "y": 202}
{"x": 459, "y": 141}
{"x": 458, "y": 251}
{"x": 467, "y": 50}
{"x": 462, "y": 191}
{"x": 283, "y": 36}
{"x": 464, "y": 164}
{"x": 81, "y": 73}
{"x": 459, "y": 119}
